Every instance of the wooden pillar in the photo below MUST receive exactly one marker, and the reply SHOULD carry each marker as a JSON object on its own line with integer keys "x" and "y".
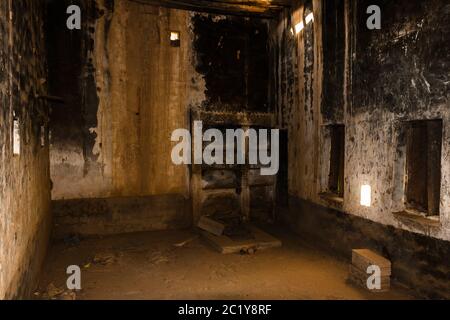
{"x": 245, "y": 191}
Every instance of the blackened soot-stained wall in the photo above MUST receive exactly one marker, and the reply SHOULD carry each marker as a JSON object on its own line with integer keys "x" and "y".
{"x": 126, "y": 89}
{"x": 372, "y": 81}
{"x": 116, "y": 76}
{"x": 232, "y": 55}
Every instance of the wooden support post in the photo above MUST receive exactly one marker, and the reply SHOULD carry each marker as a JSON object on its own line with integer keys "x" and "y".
{"x": 245, "y": 192}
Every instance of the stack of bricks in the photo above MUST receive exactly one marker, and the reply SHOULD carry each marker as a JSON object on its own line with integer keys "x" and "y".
{"x": 360, "y": 272}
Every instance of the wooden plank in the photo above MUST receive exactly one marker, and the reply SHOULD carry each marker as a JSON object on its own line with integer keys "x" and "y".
{"x": 279, "y": 3}
{"x": 211, "y": 226}
{"x": 225, "y": 245}
{"x": 219, "y": 179}
{"x": 269, "y": 12}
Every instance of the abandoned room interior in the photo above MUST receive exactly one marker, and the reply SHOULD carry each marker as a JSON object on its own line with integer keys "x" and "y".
{"x": 352, "y": 96}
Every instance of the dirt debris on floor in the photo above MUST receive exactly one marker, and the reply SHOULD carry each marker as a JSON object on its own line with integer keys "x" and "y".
{"x": 152, "y": 266}
{"x": 55, "y": 293}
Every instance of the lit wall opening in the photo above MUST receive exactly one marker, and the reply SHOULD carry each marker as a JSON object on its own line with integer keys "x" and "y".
{"x": 16, "y": 137}
{"x": 175, "y": 40}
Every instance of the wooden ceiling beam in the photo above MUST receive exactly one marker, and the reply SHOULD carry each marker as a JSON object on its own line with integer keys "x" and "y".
{"x": 256, "y": 8}
{"x": 278, "y": 3}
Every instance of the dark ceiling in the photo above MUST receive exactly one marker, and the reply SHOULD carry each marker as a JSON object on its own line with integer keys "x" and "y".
{"x": 259, "y": 8}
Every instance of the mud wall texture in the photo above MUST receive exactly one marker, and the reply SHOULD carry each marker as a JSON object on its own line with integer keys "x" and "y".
{"x": 125, "y": 95}
{"x": 25, "y": 178}
{"x": 126, "y": 88}
{"x": 129, "y": 88}
{"x": 338, "y": 72}
{"x": 100, "y": 217}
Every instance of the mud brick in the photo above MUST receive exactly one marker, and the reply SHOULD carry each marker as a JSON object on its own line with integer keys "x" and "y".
{"x": 363, "y": 258}
{"x": 359, "y": 278}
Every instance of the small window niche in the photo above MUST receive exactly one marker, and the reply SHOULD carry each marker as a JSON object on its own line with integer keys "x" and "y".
{"x": 16, "y": 136}
{"x": 337, "y": 159}
{"x": 333, "y": 163}
{"x": 423, "y": 166}
{"x": 175, "y": 40}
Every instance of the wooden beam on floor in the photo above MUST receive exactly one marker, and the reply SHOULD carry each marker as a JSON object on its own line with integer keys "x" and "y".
{"x": 224, "y": 244}
{"x": 254, "y": 8}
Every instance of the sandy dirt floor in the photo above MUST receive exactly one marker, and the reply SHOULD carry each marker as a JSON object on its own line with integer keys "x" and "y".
{"x": 180, "y": 265}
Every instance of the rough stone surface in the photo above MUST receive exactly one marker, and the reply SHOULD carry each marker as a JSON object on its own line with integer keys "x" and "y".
{"x": 127, "y": 89}
{"x": 336, "y": 71}
{"x": 127, "y": 94}
{"x": 24, "y": 179}
{"x": 371, "y": 81}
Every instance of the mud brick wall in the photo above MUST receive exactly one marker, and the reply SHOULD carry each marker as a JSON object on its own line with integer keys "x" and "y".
{"x": 127, "y": 88}
{"x": 338, "y": 72}
{"x": 24, "y": 179}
